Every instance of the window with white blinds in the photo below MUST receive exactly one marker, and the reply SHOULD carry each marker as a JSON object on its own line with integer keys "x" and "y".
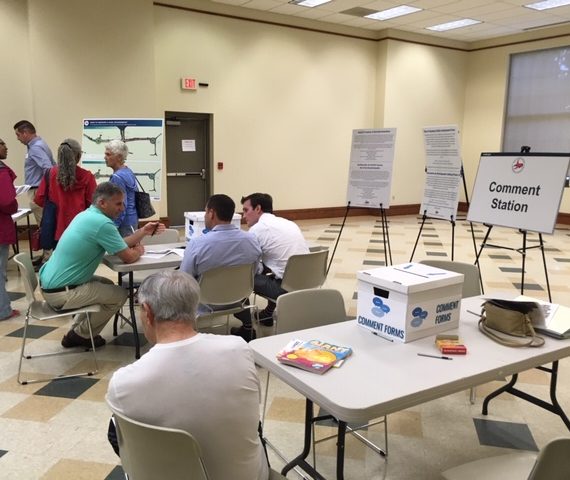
{"x": 538, "y": 103}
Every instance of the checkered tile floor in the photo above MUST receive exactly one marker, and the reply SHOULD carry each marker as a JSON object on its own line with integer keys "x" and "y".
{"x": 57, "y": 430}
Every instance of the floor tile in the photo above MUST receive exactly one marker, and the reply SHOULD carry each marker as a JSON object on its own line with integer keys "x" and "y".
{"x": 78, "y": 470}
{"x": 37, "y": 408}
{"x": 34, "y": 331}
{"x": 67, "y": 387}
{"x": 504, "y": 434}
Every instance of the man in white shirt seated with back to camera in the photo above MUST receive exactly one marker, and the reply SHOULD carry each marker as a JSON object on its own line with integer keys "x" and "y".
{"x": 203, "y": 384}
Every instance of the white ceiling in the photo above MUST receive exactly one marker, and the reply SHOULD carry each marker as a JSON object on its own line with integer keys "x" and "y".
{"x": 500, "y": 18}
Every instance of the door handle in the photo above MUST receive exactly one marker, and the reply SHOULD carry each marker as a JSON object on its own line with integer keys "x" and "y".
{"x": 187, "y": 174}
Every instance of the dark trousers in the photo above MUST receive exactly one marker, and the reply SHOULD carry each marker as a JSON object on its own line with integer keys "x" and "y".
{"x": 267, "y": 286}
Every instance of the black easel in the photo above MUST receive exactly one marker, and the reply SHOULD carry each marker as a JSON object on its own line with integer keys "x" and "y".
{"x": 385, "y": 236}
{"x": 472, "y": 231}
{"x": 338, "y": 238}
{"x": 522, "y": 251}
{"x": 452, "y": 221}
{"x": 424, "y": 217}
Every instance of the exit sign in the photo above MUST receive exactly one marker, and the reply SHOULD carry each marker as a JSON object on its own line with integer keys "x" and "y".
{"x": 188, "y": 83}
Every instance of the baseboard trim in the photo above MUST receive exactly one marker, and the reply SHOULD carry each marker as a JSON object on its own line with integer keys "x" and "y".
{"x": 333, "y": 212}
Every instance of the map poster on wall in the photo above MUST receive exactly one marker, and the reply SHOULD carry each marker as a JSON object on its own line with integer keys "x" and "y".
{"x": 144, "y": 138}
{"x": 517, "y": 190}
{"x": 371, "y": 161}
{"x": 443, "y": 172}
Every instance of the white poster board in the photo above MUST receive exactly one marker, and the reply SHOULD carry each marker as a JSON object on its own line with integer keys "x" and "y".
{"x": 443, "y": 172}
{"x": 144, "y": 138}
{"x": 371, "y": 161}
{"x": 519, "y": 190}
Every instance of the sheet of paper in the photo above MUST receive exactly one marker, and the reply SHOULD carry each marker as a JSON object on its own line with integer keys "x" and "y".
{"x": 22, "y": 189}
{"x": 546, "y": 314}
{"x": 188, "y": 145}
{"x": 155, "y": 254}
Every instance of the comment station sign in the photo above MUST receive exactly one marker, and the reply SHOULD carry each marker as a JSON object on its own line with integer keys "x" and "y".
{"x": 519, "y": 190}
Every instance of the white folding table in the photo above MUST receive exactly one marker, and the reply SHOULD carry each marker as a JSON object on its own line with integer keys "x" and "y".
{"x": 382, "y": 377}
{"x": 172, "y": 260}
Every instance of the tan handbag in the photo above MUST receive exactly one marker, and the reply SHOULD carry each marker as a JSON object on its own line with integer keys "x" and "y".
{"x": 508, "y": 323}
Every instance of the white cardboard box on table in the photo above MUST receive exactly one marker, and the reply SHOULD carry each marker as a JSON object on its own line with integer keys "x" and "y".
{"x": 195, "y": 226}
{"x": 405, "y": 302}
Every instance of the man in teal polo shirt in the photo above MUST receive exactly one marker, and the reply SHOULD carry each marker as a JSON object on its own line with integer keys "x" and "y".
{"x": 68, "y": 279}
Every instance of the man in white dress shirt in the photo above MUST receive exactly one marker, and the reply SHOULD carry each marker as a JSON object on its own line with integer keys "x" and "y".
{"x": 279, "y": 238}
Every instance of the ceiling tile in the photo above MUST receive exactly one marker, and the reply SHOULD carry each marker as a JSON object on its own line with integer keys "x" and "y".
{"x": 262, "y": 4}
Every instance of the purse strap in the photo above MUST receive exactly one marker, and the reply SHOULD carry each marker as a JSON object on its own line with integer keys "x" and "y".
{"x": 533, "y": 341}
{"x": 142, "y": 189}
{"x": 47, "y": 177}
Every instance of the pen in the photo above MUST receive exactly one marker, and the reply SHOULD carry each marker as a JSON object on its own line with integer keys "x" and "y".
{"x": 155, "y": 229}
{"x": 434, "y": 356}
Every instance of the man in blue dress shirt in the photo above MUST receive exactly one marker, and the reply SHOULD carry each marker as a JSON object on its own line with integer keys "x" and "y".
{"x": 224, "y": 245}
{"x": 39, "y": 159}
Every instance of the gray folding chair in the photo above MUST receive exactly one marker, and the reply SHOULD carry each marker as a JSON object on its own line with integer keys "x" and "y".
{"x": 471, "y": 286}
{"x": 313, "y": 308}
{"x": 307, "y": 270}
{"x": 552, "y": 463}
{"x": 40, "y": 310}
{"x": 149, "y": 452}
{"x": 304, "y": 271}
{"x": 225, "y": 291}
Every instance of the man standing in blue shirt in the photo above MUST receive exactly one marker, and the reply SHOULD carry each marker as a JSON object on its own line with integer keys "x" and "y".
{"x": 223, "y": 246}
{"x": 39, "y": 159}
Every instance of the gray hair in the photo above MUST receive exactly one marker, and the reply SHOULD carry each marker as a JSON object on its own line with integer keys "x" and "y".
{"x": 118, "y": 147}
{"x": 172, "y": 295}
{"x": 68, "y": 155}
{"x": 106, "y": 191}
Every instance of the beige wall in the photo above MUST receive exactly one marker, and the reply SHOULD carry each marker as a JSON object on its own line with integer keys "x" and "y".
{"x": 74, "y": 61}
{"x": 424, "y": 87}
{"x": 284, "y": 100}
{"x": 15, "y": 80}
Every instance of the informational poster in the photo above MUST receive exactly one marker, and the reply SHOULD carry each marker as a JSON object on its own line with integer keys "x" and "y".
{"x": 371, "y": 162}
{"x": 520, "y": 191}
{"x": 443, "y": 172}
{"x": 143, "y": 136}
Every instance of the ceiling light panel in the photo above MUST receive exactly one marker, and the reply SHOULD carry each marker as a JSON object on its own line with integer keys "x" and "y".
{"x": 444, "y": 27}
{"x": 309, "y": 3}
{"x": 548, "y": 4}
{"x": 394, "y": 12}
